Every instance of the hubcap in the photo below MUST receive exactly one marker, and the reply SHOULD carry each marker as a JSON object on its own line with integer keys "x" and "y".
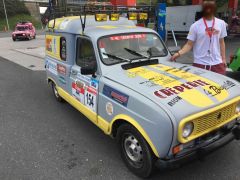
{"x": 55, "y": 91}
{"x": 133, "y": 150}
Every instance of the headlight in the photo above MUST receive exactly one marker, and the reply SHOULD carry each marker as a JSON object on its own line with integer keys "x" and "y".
{"x": 24, "y": 34}
{"x": 187, "y": 130}
{"x": 238, "y": 108}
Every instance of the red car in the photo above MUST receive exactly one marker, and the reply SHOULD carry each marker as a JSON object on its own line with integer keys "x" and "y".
{"x": 24, "y": 30}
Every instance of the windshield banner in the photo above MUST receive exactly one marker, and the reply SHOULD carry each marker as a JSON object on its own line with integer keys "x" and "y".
{"x": 126, "y": 37}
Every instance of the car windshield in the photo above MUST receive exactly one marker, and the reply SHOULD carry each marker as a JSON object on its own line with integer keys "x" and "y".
{"x": 120, "y": 48}
{"x": 22, "y": 28}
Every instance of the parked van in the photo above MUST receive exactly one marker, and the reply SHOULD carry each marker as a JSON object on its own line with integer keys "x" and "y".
{"x": 119, "y": 76}
{"x": 180, "y": 18}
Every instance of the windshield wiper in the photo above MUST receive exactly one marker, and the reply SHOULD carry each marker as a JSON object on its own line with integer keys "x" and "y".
{"x": 136, "y": 53}
{"x": 117, "y": 57}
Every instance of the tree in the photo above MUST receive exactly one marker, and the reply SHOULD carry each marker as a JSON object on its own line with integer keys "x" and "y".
{"x": 13, "y": 7}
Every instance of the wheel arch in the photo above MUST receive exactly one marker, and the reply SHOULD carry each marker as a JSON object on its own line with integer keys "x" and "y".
{"x": 121, "y": 119}
{"x": 50, "y": 80}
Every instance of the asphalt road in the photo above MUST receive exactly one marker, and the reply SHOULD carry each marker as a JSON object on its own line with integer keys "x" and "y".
{"x": 43, "y": 139}
{"x": 9, "y": 33}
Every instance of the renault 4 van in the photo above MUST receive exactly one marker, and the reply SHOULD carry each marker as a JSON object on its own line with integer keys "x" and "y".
{"x": 120, "y": 77}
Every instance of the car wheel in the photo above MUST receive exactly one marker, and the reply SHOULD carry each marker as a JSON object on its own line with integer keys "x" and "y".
{"x": 56, "y": 94}
{"x": 14, "y": 39}
{"x": 135, "y": 151}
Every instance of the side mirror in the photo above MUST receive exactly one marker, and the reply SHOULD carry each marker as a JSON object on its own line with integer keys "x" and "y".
{"x": 174, "y": 49}
{"x": 90, "y": 70}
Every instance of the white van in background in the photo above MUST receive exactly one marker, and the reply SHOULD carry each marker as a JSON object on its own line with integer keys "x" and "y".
{"x": 180, "y": 18}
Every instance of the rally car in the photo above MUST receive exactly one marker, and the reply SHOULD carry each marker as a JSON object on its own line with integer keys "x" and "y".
{"x": 120, "y": 77}
{"x": 235, "y": 61}
{"x": 24, "y": 30}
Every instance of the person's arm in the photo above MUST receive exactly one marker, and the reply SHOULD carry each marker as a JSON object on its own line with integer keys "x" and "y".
{"x": 186, "y": 48}
{"x": 222, "y": 42}
{"x": 223, "y": 50}
{"x": 192, "y": 36}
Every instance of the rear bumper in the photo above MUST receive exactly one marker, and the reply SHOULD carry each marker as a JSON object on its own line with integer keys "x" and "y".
{"x": 201, "y": 151}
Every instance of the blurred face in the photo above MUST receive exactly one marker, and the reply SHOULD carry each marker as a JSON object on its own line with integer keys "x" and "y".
{"x": 209, "y": 8}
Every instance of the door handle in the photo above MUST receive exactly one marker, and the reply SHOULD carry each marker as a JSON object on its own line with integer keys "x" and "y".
{"x": 73, "y": 72}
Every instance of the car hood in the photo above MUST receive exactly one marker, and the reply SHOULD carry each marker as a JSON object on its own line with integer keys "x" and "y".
{"x": 181, "y": 89}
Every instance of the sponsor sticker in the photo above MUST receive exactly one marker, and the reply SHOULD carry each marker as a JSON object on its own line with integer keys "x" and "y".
{"x": 78, "y": 91}
{"x": 216, "y": 90}
{"x": 91, "y": 98}
{"x": 61, "y": 69}
{"x": 52, "y": 45}
{"x": 62, "y": 80}
{"x": 183, "y": 74}
{"x": 52, "y": 67}
{"x": 127, "y": 37}
{"x": 116, "y": 95}
{"x": 174, "y": 101}
{"x": 109, "y": 108}
{"x": 94, "y": 83}
{"x": 194, "y": 96}
{"x": 175, "y": 90}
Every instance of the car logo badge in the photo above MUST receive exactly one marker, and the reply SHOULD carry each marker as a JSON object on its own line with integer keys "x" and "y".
{"x": 219, "y": 116}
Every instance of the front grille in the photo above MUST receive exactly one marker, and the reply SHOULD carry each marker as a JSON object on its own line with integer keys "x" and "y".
{"x": 214, "y": 120}
{"x": 19, "y": 35}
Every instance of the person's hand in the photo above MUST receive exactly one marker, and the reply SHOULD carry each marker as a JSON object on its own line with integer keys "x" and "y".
{"x": 175, "y": 56}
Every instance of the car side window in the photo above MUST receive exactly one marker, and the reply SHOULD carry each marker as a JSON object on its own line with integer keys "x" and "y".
{"x": 63, "y": 48}
{"x": 85, "y": 53}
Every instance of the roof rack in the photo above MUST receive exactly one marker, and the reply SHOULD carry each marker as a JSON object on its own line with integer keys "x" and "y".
{"x": 92, "y": 8}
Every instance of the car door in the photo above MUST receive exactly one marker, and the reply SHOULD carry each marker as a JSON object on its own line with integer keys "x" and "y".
{"x": 85, "y": 87}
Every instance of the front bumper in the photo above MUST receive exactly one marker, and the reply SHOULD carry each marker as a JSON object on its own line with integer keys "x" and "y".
{"x": 20, "y": 36}
{"x": 201, "y": 150}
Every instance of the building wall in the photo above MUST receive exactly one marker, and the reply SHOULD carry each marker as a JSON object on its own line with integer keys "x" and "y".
{"x": 33, "y": 8}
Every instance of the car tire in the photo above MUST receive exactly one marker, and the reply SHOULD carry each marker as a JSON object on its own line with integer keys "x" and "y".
{"x": 34, "y": 37}
{"x": 135, "y": 151}
{"x": 56, "y": 94}
{"x": 14, "y": 39}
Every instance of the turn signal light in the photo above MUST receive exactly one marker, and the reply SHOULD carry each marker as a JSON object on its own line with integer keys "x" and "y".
{"x": 177, "y": 149}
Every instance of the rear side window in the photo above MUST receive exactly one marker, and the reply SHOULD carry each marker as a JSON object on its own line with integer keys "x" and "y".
{"x": 63, "y": 48}
{"x": 85, "y": 54}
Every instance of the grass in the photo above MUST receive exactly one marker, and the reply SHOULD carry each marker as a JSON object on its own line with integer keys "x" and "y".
{"x": 21, "y": 17}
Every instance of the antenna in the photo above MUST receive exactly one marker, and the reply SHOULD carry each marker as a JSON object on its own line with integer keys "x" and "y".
{"x": 83, "y": 22}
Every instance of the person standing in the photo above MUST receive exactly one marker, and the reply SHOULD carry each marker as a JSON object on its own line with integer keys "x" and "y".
{"x": 206, "y": 38}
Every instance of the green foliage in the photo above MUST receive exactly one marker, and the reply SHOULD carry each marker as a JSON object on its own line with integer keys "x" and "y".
{"x": 13, "y": 8}
{"x": 20, "y": 17}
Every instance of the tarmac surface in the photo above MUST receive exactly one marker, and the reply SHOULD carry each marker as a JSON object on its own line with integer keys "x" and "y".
{"x": 43, "y": 139}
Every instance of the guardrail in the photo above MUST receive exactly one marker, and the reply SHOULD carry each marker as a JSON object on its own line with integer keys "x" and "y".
{"x": 68, "y": 1}
{"x": 39, "y": 1}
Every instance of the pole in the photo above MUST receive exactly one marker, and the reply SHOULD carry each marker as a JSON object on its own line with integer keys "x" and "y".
{"x": 5, "y": 14}
{"x": 161, "y": 20}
